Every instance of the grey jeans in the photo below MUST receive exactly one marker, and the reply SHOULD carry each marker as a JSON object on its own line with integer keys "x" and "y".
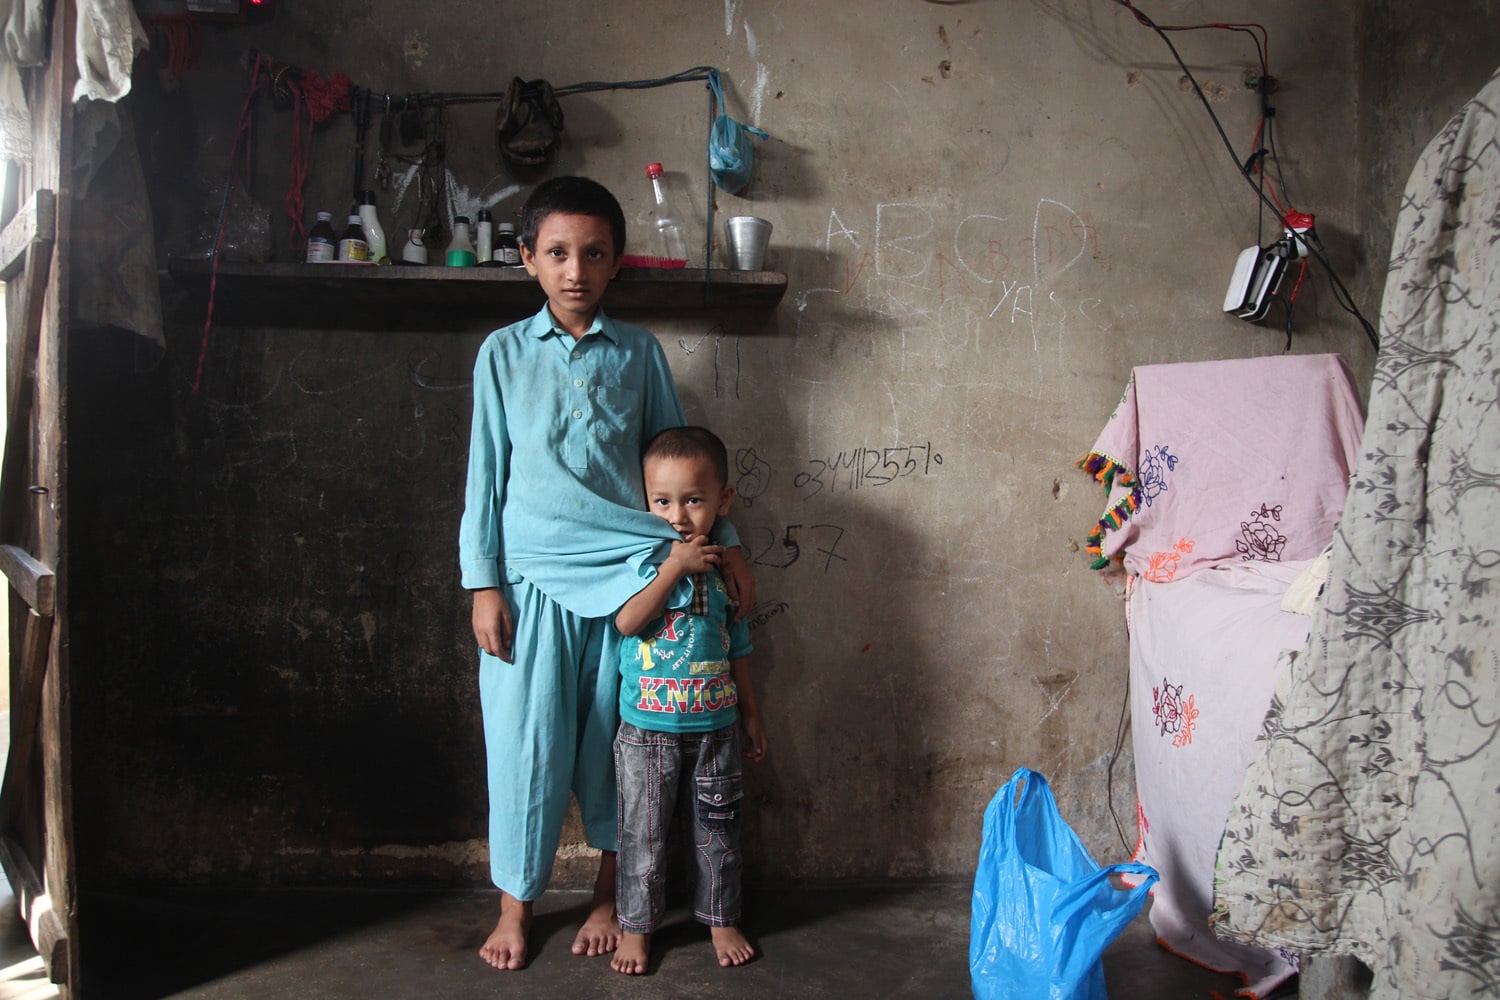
{"x": 659, "y": 776}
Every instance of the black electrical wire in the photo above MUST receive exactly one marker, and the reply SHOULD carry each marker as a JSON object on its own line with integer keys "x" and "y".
{"x": 1109, "y": 771}
{"x": 1341, "y": 293}
{"x": 586, "y": 87}
{"x": 1276, "y": 158}
{"x": 687, "y": 75}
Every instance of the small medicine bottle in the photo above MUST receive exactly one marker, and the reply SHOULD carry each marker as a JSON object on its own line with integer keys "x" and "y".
{"x": 352, "y": 245}
{"x": 320, "y": 240}
{"x": 460, "y": 248}
{"x": 507, "y": 247}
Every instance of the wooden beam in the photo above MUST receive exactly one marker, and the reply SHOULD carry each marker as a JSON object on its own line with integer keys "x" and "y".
{"x": 48, "y": 934}
{"x": 25, "y": 299}
{"x": 26, "y": 711}
{"x": 33, "y": 228}
{"x": 36, "y": 584}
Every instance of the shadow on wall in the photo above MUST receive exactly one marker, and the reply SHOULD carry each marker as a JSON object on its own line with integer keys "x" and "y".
{"x": 851, "y": 786}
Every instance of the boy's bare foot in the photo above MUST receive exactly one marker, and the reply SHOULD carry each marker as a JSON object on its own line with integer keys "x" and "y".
{"x": 505, "y": 948}
{"x": 634, "y": 951}
{"x": 600, "y": 933}
{"x": 731, "y": 946}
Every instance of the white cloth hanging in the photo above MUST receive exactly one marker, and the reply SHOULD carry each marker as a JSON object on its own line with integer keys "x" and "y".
{"x": 110, "y": 36}
{"x": 25, "y": 29}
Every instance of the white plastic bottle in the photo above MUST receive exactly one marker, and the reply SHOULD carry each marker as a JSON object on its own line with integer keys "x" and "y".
{"x": 461, "y": 248}
{"x": 415, "y": 251}
{"x": 484, "y": 237}
{"x": 669, "y": 232}
{"x": 369, "y": 221}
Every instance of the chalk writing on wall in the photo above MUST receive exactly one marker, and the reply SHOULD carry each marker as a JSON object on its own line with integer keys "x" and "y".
{"x": 723, "y": 380}
{"x": 985, "y": 270}
{"x": 763, "y": 612}
{"x": 755, "y": 476}
{"x": 819, "y": 542}
{"x": 858, "y": 468}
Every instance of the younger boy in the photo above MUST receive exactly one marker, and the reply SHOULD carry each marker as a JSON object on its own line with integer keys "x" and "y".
{"x": 683, "y": 675}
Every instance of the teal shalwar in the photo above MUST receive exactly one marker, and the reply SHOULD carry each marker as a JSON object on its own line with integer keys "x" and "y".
{"x": 554, "y": 516}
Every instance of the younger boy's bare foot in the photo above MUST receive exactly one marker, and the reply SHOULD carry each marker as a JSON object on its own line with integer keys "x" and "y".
{"x": 731, "y": 946}
{"x": 600, "y": 933}
{"x": 635, "y": 950}
{"x": 505, "y": 948}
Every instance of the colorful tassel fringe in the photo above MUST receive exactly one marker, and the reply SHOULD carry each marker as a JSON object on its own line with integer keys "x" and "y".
{"x": 1109, "y": 473}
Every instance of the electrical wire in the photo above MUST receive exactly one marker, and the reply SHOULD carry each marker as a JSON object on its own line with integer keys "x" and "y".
{"x": 696, "y": 73}
{"x": 1291, "y": 301}
{"x": 685, "y": 76}
{"x": 1109, "y": 771}
{"x": 1276, "y": 157}
{"x": 241, "y": 130}
{"x": 1341, "y": 293}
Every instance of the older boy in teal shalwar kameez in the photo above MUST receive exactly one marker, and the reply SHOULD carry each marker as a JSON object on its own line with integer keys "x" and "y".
{"x": 553, "y": 541}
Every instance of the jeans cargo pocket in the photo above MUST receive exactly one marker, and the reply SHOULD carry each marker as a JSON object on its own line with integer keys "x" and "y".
{"x": 719, "y": 803}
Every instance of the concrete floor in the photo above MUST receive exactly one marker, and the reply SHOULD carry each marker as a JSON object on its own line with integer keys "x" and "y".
{"x": 826, "y": 941}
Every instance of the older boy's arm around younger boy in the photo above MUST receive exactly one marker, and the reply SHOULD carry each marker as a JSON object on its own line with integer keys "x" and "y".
{"x": 695, "y": 555}
{"x": 752, "y": 733}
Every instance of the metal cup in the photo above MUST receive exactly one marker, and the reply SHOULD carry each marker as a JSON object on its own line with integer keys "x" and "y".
{"x": 747, "y": 238}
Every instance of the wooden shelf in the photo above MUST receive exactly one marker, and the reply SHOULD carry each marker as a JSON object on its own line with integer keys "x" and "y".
{"x": 363, "y": 296}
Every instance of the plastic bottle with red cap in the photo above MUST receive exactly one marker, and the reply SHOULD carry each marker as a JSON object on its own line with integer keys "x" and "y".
{"x": 669, "y": 232}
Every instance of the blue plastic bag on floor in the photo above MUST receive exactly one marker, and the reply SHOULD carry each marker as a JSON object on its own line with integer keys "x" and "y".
{"x": 1043, "y": 910}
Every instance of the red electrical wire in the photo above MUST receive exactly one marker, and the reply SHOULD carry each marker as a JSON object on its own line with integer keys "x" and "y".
{"x": 1264, "y": 49}
{"x": 181, "y": 36}
{"x": 213, "y": 273}
{"x": 319, "y": 99}
{"x": 1263, "y": 53}
{"x": 297, "y": 171}
{"x": 1297, "y": 287}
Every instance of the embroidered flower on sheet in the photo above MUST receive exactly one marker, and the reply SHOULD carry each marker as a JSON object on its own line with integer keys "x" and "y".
{"x": 1155, "y": 464}
{"x": 1259, "y": 536}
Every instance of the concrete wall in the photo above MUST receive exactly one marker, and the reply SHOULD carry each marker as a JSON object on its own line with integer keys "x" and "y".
{"x": 988, "y": 212}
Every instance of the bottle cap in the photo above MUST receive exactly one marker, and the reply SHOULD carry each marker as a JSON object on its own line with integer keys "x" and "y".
{"x": 653, "y": 170}
{"x": 460, "y": 220}
{"x": 507, "y": 227}
{"x": 368, "y": 198}
{"x": 484, "y": 215}
{"x": 354, "y": 220}
{"x": 325, "y": 216}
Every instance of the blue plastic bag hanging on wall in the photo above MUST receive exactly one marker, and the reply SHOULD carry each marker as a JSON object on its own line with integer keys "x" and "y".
{"x": 1043, "y": 910}
{"x": 730, "y": 158}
